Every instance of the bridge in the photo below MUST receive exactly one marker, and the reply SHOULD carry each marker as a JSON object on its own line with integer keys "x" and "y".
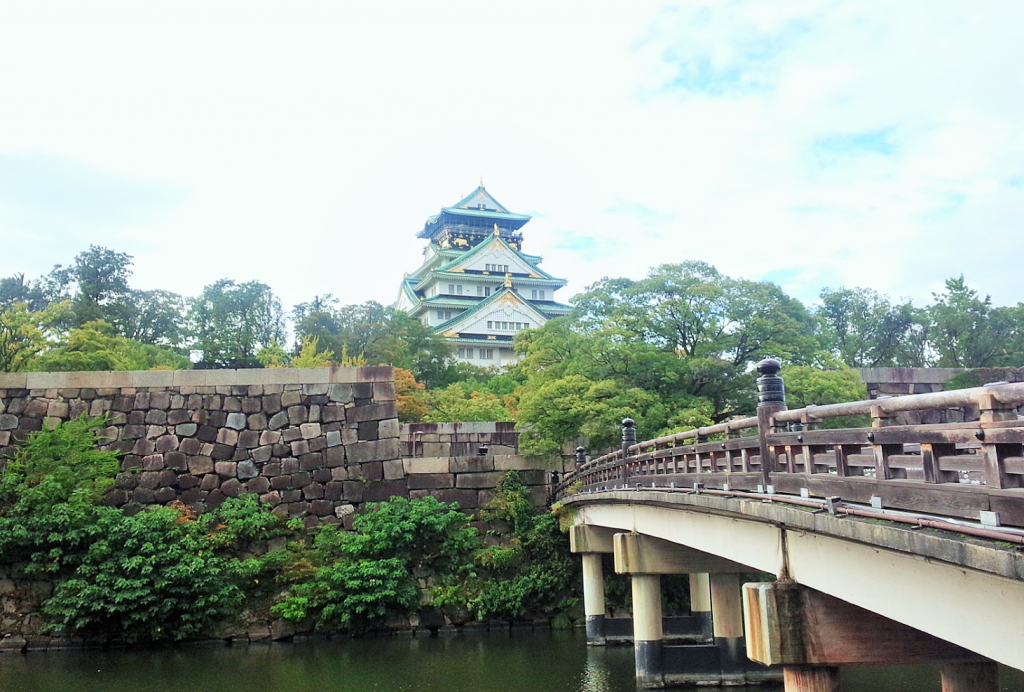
{"x": 882, "y": 544}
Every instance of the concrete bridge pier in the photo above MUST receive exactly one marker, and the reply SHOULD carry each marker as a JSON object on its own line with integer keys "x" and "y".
{"x": 647, "y": 630}
{"x": 593, "y": 597}
{"x": 727, "y": 616}
{"x": 700, "y": 601}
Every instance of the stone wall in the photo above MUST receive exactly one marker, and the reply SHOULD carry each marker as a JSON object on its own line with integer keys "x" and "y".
{"x": 308, "y": 442}
{"x": 900, "y": 381}
{"x": 317, "y": 443}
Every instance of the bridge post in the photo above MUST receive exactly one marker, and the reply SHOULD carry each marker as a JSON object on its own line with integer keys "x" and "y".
{"x": 647, "y": 630}
{"x": 771, "y": 398}
{"x": 700, "y": 600}
{"x": 628, "y": 440}
{"x": 727, "y": 616}
{"x": 591, "y": 543}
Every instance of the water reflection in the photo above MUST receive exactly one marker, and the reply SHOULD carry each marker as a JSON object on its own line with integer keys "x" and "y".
{"x": 524, "y": 661}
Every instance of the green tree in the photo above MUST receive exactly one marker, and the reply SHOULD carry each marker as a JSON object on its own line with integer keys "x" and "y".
{"x": 151, "y": 317}
{"x": 457, "y": 402}
{"x": 380, "y": 335}
{"x": 968, "y": 332}
{"x": 865, "y": 329}
{"x": 25, "y": 334}
{"x": 96, "y": 346}
{"x": 229, "y": 323}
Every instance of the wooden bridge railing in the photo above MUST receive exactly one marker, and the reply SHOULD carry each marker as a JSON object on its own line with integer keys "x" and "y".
{"x": 972, "y": 470}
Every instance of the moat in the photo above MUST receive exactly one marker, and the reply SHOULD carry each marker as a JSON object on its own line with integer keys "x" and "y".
{"x": 525, "y": 661}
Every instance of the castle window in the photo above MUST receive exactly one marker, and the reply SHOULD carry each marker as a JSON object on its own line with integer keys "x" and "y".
{"x": 490, "y": 324}
{"x": 451, "y": 290}
{"x": 458, "y": 291}
{"x": 486, "y": 354}
{"x": 526, "y": 325}
{"x": 444, "y": 315}
{"x": 466, "y": 353}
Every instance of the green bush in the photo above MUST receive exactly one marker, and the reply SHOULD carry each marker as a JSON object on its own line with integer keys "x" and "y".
{"x": 531, "y": 572}
{"x": 355, "y": 581}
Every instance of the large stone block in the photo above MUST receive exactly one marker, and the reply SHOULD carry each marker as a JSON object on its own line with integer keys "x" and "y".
{"x": 426, "y": 465}
{"x": 382, "y": 411}
{"x": 383, "y": 490}
{"x": 387, "y": 428}
{"x": 431, "y": 480}
{"x": 394, "y": 470}
{"x": 478, "y": 480}
{"x": 471, "y": 464}
{"x": 381, "y": 450}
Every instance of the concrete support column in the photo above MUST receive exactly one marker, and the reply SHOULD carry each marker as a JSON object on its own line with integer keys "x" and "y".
{"x": 593, "y": 598}
{"x": 810, "y": 679}
{"x": 647, "y": 632}
{"x": 982, "y": 676}
{"x": 700, "y": 601}
{"x": 727, "y": 618}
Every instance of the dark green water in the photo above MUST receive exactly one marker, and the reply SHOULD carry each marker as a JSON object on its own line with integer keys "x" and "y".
{"x": 525, "y": 661}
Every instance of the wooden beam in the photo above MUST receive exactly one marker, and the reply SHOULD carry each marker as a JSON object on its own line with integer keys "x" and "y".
{"x": 810, "y": 679}
{"x": 970, "y": 677}
{"x": 792, "y": 625}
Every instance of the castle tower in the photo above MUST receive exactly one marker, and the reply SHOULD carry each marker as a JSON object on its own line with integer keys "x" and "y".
{"x": 476, "y": 287}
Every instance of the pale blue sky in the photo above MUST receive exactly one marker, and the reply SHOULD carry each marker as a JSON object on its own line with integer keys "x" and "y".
{"x": 861, "y": 142}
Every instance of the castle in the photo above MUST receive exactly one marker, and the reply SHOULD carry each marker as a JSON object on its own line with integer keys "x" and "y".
{"x": 476, "y": 287}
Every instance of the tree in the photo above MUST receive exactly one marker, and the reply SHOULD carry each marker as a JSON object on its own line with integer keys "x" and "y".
{"x": 25, "y": 334}
{"x": 96, "y": 346}
{"x": 380, "y": 335}
{"x": 409, "y": 397}
{"x": 152, "y": 317}
{"x": 231, "y": 322}
{"x": 456, "y": 402}
{"x": 865, "y": 329}
{"x": 100, "y": 277}
{"x": 672, "y": 351}
{"x": 967, "y": 332}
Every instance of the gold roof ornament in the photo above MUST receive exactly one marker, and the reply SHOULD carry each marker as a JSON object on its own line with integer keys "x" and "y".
{"x": 508, "y": 279}
{"x": 496, "y": 231}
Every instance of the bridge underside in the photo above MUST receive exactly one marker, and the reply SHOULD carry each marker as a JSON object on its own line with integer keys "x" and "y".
{"x": 969, "y": 593}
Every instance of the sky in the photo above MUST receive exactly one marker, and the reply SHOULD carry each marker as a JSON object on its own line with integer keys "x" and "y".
{"x": 812, "y": 143}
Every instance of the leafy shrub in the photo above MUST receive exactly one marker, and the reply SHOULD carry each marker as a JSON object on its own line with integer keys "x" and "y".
{"x": 356, "y": 581}
{"x": 531, "y": 572}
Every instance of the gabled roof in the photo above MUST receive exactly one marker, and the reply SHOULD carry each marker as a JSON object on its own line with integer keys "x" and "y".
{"x": 502, "y": 294}
{"x": 482, "y": 246}
{"x": 479, "y": 198}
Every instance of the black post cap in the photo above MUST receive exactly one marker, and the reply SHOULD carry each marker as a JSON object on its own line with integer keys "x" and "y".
{"x": 769, "y": 367}
{"x": 628, "y": 423}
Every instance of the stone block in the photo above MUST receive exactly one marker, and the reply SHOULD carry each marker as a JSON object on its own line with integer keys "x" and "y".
{"x": 383, "y": 391}
{"x": 478, "y": 480}
{"x": 185, "y": 481}
{"x": 387, "y": 428}
{"x": 436, "y": 449}
{"x": 289, "y": 466}
{"x": 301, "y": 479}
{"x": 278, "y": 421}
{"x": 313, "y": 460}
{"x": 332, "y": 413}
{"x": 248, "y": 439}
{"x": 299, "y": 447}
{"x": 382, "y": 411}
{"x": 156, "y": 417}
{"x": 153, "y": 462}
{"x": 515, "y": 462}
{"x": 291, "y": 434}
{"x": 190, "y": 446}
{"x": 431, "y": 480}
{"x": 367, "y": 430}
{"x": 175, "y": 460}
{"x": 313, "y": 491}
{"x": 271, "y": 403}
{"x": 258, "y": 484}
{"x": 222, "y": 452}
{"x": 297, "y": 415}
{"x": 471, "y": 464}
{"x": 383, "y": 490}
{"x": 270, "y": 437}
{"x": 322, "y": 476}
{"x": 236, "y": 421}
{"x": 340, "y": 473}
{"x": 226, "y": 469}
{"x": 321, "y": 508}
{"x": 309, "y": 430}
{"x": 57, "y": 409}
{"x": 252, "y": 404}
{"x": 426, "y": 465}
{"x": 186, "y": 429}
{"x": 166, "y": 443}
{"x": 261, "y": 455}
{"x": 160, "y": 400}
{"x": 333, "y": 490}
{"x": 207, "y": 433}
{"x": 467, "y": 499}
{"x": 36, "y": 408}
{"x": 340, "y": 393}
{"x": 164, "y": 495}
{"x": 232, "y": 404}
{"x": 246, "y": 470}
{"x": 394, "y": 469}
{"x": 344, "y": 510}
{"x": 231, "y": 487}
{"x": 353, "y": 491}
{"x": 257, "y": 421}
{"x": 372, "y": 470}
{"x": 291, "y": 398}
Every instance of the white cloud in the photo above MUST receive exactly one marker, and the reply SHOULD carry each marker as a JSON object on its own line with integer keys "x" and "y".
{"x": 817, "y": 143}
